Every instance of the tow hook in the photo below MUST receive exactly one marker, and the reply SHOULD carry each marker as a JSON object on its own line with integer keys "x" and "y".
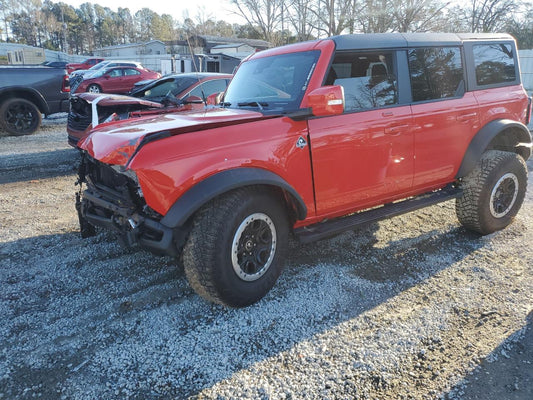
{"x": 132, "y": 223}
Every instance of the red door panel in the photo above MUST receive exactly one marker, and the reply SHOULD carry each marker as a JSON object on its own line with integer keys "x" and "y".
{"x": 361, "y": 159}
{"x": 113, "y": 83}
{"x": 443, "y": 130}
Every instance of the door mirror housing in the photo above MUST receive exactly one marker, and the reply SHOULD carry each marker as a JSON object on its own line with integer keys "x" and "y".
{"x": 214, "y": 98}
{"x": 326, "y": 100}
{"x": 193, "y": 100}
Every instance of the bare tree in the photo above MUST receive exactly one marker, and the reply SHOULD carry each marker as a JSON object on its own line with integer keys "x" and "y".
{"x": 302, "y": 19}
{"x": 332, "y": 16}
{"x": 373, "y": 16}
{"x": 489, "y": 15}
{"x": 419, "y": 15}
{"x": 264, "y": 15}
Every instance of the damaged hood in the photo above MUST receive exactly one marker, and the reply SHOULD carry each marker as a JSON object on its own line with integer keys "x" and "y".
{"x": 107, "y": 100}
{"x": 116, "y": 144}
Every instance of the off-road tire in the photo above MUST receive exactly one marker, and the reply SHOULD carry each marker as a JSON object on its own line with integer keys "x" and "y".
{"x": 19, "y": 116}
{"x": 493, "y": 192}
{"x": 222, "y": 224}
{"x": 94, "y": 88}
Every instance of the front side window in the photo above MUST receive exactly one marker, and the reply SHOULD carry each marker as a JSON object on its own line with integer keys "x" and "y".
{"x": 208, "y": 88}
{"x": 368, "y": 79}
{"x": 436, "y": 73}
{"x": 115, "y": 73}
{"x": 494, "y": 64}
{"x": 276, "y": 82}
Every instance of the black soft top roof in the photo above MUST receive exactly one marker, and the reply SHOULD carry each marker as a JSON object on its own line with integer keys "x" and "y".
{"x": 391, "y": 40}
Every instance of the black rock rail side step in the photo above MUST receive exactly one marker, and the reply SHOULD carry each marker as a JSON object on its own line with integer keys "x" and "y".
{"x": 323, "y": 230}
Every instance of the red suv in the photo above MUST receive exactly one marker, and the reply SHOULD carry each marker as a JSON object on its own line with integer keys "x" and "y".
{"x": 313, "y": 139}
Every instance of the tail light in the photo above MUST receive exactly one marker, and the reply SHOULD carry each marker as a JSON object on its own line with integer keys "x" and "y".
{"x": 65, "y": 87}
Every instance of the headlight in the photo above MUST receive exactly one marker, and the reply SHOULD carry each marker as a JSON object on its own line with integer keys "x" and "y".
{"x": 120, "y": 169}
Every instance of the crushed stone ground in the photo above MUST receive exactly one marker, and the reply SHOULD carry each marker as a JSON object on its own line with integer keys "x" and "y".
{"x": 414, "y": 307}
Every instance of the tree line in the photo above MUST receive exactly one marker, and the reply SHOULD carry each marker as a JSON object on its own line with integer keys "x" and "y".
{"x": 58, "y": 26}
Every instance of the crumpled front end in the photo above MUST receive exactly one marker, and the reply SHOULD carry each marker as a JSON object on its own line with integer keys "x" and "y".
{"x": 110, "y": 197}
{"x": 88, "y": 110}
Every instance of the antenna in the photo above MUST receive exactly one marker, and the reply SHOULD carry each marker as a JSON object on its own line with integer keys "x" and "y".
{"x": 204, "y": 98}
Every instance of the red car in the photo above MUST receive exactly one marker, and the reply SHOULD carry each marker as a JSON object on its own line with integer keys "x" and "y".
{"x": 90, "y": 62}
{"x": 314, "y": 139}
{"x": 116, "y": 80}
{"x": 189, "y": 91}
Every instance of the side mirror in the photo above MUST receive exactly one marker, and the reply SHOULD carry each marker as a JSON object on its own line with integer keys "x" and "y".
{"x": 326, "y": 100}
{"x": 107, "y": 76}
{"x": 214, "y": 99}
{"x": 193, "y": 100}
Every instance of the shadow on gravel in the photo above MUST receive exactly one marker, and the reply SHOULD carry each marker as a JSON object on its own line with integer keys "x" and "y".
{"x": 87, "y": 319}
{"x": 24, "y": 167}
{"x": 506, "y": 373}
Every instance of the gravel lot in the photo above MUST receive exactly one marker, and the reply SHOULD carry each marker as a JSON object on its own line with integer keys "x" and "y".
{"x": 414, "y": 307}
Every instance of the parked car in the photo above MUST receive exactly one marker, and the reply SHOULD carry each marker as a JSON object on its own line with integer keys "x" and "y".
{"x": 115, "y": 80}
{"x": 172, "y": 93}
{"x": 314, "y": 139}
{"x": 78, "y": 76}
{"x": 55, "y": 64}
{"x": 27, "y": 92}
{"x": 88, "y": 63}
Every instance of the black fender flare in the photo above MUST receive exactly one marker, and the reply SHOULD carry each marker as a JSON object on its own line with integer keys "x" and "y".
{"x": 222, "y": 182}
{"x": 484, "y": 137}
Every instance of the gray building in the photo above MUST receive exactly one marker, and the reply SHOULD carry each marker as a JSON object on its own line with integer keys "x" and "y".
{"x": 132, "y": 50}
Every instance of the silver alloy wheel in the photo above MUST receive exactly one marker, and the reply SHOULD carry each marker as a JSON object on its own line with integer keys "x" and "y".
{"x": 93, "y": 89}
{"x": 503, "y": 195}
{"x": 253, "y": 247}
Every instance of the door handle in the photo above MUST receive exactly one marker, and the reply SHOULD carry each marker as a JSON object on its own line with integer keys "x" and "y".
{"x": 395, "y": 129}
{"x": 466, "y": 117}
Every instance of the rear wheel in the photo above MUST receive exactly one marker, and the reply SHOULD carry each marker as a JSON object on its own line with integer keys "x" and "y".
{"x": 234, "y": 253}
{"x": 493, "y": 192}
{"x": 20, "y": 116}
{"x": 94, "y": 88}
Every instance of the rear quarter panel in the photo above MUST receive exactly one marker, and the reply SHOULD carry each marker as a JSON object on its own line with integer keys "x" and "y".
{"x": 508, "y": 102}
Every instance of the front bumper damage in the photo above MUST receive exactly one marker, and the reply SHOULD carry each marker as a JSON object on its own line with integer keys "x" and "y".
{"x": 111, "y": 200}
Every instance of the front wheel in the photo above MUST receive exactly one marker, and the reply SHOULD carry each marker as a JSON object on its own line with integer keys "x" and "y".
{"x": 20, "y": 116}
{"x": 234, "y": 253}
{"x": 94, "y": 88}
{"x": 493, "y": 192}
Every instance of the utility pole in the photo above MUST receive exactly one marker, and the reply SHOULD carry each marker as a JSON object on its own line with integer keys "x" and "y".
{"x": 64, "y": 26}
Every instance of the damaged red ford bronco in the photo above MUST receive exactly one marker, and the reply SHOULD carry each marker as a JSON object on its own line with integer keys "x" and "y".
{"x": 313, "y": 139}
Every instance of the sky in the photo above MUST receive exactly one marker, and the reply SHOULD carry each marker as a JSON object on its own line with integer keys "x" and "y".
{"x": 216, "y": 9}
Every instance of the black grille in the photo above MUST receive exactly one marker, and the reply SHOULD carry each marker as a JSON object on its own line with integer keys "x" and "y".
{"x": 113, "y": 186}
{"x": 80, "y": 114}
{"x": 75, "y": 81}
{"x": 78, "y": 122}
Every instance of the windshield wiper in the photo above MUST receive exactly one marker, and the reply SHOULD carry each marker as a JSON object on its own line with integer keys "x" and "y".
{"x": 260, "y": 105}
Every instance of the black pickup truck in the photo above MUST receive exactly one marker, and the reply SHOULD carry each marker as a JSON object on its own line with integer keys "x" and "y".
{"x": 27, "y": 92}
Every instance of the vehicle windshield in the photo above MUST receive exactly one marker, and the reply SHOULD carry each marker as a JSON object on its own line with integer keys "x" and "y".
{"x": 163, "y": 87}
{"x": 276, "y": 82}
{"x": 98, "y": 66}
{"x": 96, "y": 74}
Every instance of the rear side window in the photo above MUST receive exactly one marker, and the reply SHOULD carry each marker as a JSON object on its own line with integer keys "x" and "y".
{"x": 130, "y": 71}
{"x": 494, "y": 64}
{"x": 369, "y": 79}
{"x": 436, "y": 73}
